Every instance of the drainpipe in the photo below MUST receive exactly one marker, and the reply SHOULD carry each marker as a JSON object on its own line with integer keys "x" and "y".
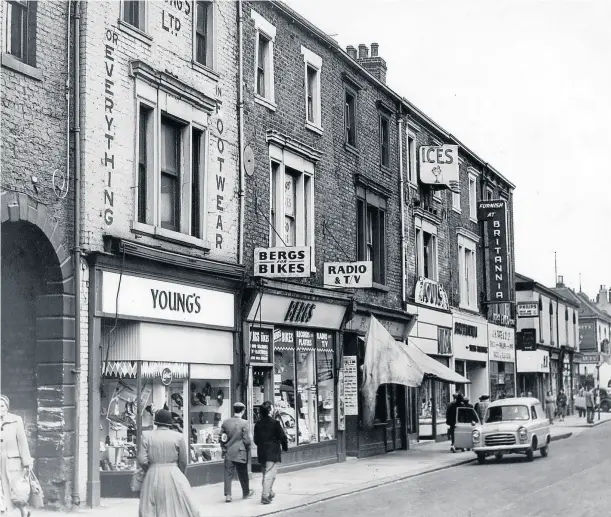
{"x": 402, "y": 194}
{"x": 241, "y": 131}
{"x": 76, "y": 500}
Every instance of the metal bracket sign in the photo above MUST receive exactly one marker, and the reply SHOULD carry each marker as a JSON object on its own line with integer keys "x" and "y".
{"x": 348, "y": 274}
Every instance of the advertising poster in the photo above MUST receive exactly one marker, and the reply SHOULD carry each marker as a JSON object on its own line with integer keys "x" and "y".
{"x": 341, "y": 407}
{"x": 351, "y": 387}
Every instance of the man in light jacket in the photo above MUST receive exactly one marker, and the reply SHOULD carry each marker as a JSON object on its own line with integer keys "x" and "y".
{"x": 590, "y": 405}
{"x": 235, "y": 443}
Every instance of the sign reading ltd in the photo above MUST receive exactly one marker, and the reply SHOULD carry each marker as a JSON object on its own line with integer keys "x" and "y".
{"x": 287, "y": 262}
{"x": 348, "y": 274}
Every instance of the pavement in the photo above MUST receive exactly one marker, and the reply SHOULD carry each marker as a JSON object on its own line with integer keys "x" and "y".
{"x": 307, "y": 487}
{"x": 573, "y": 481}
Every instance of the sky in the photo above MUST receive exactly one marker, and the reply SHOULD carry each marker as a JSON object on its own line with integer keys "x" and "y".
{"x": 526, "y": 85}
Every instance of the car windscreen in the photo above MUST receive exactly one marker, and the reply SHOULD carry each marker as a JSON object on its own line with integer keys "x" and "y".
{"x": 506, "y": 413}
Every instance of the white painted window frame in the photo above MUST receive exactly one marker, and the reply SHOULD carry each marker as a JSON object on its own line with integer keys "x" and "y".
{"x": 412, "y": 159}
{"x": 425, "y": 226}
{"x": 473, "y": 196}
{"x": 456, "y": 200}
{"x": 268, "y": 31}
{"x": 141, "y": 34}
{"x": 468, "y": 293}
{"x": 314, "y": 61}
{"x": 212, "y": 35}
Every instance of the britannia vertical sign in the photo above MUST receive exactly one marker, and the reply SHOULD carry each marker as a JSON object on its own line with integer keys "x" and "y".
{"x": 494, "y": 213}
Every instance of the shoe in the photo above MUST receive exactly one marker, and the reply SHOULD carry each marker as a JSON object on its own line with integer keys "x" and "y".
{"x": 452, "y": 449}
{"x": 249, "y": 494}
{"x": 271, "y": 496}
{"x": 228, "y": 499}
{"x": 265, "y": 500}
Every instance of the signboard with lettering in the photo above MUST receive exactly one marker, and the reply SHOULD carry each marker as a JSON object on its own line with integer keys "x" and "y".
{"x": 494, "y": 213}
{"x": 260, "y": 345}
{"x": 348, "y": 274}
{"x": 304, "y": 340}
{"x": 351, "y": 387}
{"x": 587, "y": 335}
{"x": 527, "y": 339}
{"x": 286, "y": 262}
{"x": 527, "y": 309}
{"x": 137, "y": 297}
{"x": 439, "y": 166}
{"x": 529, "y": 361}
{"x": 324, "y": 340}
{"x": 431, "y": 293}
{"x": 501, "y": 344}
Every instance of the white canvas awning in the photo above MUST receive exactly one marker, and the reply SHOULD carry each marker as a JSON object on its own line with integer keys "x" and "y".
{"x": 433, "y": 368}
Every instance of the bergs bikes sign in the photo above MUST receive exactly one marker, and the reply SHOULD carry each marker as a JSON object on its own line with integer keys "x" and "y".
{"x": 439, "y": 166}
{"x": 287, "y": 262}
{"x": 431, "y": 293}
{"x": 348, "y": 274}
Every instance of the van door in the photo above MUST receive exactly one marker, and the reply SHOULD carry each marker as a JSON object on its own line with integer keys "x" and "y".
{"x": 465, "y": 416}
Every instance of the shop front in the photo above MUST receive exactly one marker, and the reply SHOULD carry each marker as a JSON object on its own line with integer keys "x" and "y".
{"x": 586, "y": 366}
{"x": 158, "y": 342}
{"x": 501, "y": 361}
{"x": 291, "y": 344}
{"x": 393, "y": 421}
{"x": 555, "y": 371}
{"x": 533, "y": 370}
{"x": 470, "y": 339}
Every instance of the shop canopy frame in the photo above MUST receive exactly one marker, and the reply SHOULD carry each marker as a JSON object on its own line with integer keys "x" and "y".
{"x": 432, "y": 368}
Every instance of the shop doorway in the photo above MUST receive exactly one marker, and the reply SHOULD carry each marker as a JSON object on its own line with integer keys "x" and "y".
{"x": 262, "y": 389}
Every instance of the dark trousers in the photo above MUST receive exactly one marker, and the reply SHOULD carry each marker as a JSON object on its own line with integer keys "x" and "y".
{"x": 451, "y": 434}
{"x": 590, "y": 411}
{"x": 242, "y": 469}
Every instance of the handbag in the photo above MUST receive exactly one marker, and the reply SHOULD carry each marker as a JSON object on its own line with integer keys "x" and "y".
{"x": 137, "y": 479}
{"x": 20, "y": 491}
{"x": 37, "y": 497}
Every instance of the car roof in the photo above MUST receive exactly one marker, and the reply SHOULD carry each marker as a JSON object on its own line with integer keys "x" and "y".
{"x": 527, "y": 401}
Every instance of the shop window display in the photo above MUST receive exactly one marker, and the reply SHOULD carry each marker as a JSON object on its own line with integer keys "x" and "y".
{"x": 326, "y": 387}
{"x": 442, "y": 397}
{"x": 284, "y": 383}
{"x": 502, "y": 380}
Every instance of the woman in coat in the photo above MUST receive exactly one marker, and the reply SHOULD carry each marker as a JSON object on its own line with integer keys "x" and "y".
{"x": 165, "y": 490}
{"x": 16, "y": 459}
{"x": 550, "y": 407}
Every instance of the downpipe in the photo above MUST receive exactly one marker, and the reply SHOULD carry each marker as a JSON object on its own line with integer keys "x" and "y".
{"x": 76, "y": 499}
{"x": 241, "y": 131}
{"x": 402, "y": 194}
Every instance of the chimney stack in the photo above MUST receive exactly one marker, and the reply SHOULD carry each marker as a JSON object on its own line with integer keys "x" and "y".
{"x": 375, "y": 65}
{"x": 603, "y": 300}
{"x": 560, "y": 281}
{"x": 363, "y": 51}
{"x": 351, "y": 51}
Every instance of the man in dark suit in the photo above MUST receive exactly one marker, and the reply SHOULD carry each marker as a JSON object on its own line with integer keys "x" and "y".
{"x": 269, "y": 437}
{"x": 235, "y": 443}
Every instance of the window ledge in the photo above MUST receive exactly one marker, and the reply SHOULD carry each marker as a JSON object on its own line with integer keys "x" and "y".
{"x": 380, "y": 287}
{"x": 269, "y": 104}
{"x": 135, "y": 32}
{"x": 386, "y": 169}
{"x": 412, "y": 185}
{"x": 9, "y": 61}
{"x": 208, "y": 72}
{"x": 351, "y": 149}
{"x": 457, "y": 210}
{"x": 473, "y": 219}
{"x": 163, "y": 234}
{"x": 313, "y": 127}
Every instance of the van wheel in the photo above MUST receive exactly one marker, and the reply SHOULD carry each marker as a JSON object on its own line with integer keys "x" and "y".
{"x": 481, "y": 458}
{"x": 530, "y": 454}
{"x": 545, "y": 451}
{"x": 498, "y": 456}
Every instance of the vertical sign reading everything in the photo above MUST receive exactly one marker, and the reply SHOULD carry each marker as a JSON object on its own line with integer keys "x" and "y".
{"x": 108, "y": 161}
{"x": 494, "y": 213}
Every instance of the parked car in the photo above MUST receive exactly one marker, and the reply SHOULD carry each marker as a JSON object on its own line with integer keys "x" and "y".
{"x": 605, "y": 400}
{"x": 511, "y": 426}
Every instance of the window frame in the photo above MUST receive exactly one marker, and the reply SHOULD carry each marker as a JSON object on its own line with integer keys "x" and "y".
{"x": 384, "y": 118}
{"x": 314, "y": 62}
{"x": 473, "y": 196}
{"x": 456, "y": 199}
{"x": 412, "y": 154}
{"x": 27, "y": 36}
{"x": 304, "y": 196}
{"x": 353, "y": 93}
{"x": 211, "y": 35}
{"x": 264, "y": 29}
{"x": 145, "y": 12}
{"x": 370, "y": 202}
{"x": 421, "y": 228}
{"x": 468, "y": 297}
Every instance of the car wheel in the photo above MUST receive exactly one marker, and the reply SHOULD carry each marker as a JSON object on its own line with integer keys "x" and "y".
{"x": 530, "y": 454}
{"x": 481, "y": 458}
{"x": 545, "y": 451}
{"x": 498, "y": 456}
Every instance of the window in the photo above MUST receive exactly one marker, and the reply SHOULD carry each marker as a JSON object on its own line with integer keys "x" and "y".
{"x": 197, "y": 184}
{"x": 473, "y": 197}
{"x": 204, "y": 33}
{"x": 144, "y": 160}
{"x": 507, "y": 414}
{"x": 21, "y": 30}
{"x": 313, "y": 66}
{"x": 489, "y": 194}
{"x": 292, "y": 206}
{"x": 264, "y": 61}
{"x": 456, "y": 199}
{"x": 371, "y": 232}
{"x": 350, "y": 116}
{"x": 384, "y": 141}
{"x": 467, "y": 273}
{"x": 170, "y": 174}
{"x": 426, "y": 251}
{"x": 411, "y": 159}
{"x": 533, "y": 412}
{"x": 134, "y": 13}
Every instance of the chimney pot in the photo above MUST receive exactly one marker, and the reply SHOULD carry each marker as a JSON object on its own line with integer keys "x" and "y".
{"x": 363, "y": 51}
{"x": 351, "y": 51}
{"x": 374, "y": 49}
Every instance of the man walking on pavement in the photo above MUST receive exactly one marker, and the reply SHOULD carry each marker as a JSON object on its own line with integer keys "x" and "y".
{"x": 590, "y": 406}
{"x": 451, "y": 418}
{"x": 269, "y": 438}
{"x": 235, "y": 443}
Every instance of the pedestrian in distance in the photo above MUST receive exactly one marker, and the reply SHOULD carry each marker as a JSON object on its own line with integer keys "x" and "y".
{"x": 561, "y": 402}
{"x": 270, "y": 440}
{"x": 580, "y": 402}
{"x": 550, "y": 407}
{"x": 235, "y": 443}
{"x": 482, "y": 406}
{"x": 15, "y": 456}
{"x": 165, "y": 490}
{"x": 451, "y": 418}
{"x": 589, "y": 395}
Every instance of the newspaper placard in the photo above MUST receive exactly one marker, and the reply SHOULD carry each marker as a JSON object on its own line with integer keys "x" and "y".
{"x": 351, "y": 386}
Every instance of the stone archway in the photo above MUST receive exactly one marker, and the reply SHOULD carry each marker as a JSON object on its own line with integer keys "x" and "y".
{"x": 38, "y": 336}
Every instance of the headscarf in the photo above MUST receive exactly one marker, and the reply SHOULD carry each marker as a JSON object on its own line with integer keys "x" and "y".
{"x": 6, "y": 401}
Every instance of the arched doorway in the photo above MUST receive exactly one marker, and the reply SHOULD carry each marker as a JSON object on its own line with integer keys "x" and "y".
{"x": 37, "y": 340}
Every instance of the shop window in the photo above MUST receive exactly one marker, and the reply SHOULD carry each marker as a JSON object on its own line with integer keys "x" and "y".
{"x": 284, "y": 383}
{"x": 442, "y": 398}
{"x": 306, "y": 387}
{"x": 21, "y": 30}
{"x": 371, "y": 232}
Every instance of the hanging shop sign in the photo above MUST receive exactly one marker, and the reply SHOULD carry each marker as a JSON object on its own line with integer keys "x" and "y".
{"x": 527, "y": 309}
{"x": 439, "y": 166}
{"x": 287, "y": 262}
{"x": 348, "y": 274}
{"x": 527, "y": 340}
{"x": 260, "y": 345}
{"x": 351, "y": 387}
{"x": 136, "y": 297}
{"x": 501, "y": 344}
{"x": 589, "y": 358}
{"x": 431, "y": 293}
{"x": 494, "y": 213}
